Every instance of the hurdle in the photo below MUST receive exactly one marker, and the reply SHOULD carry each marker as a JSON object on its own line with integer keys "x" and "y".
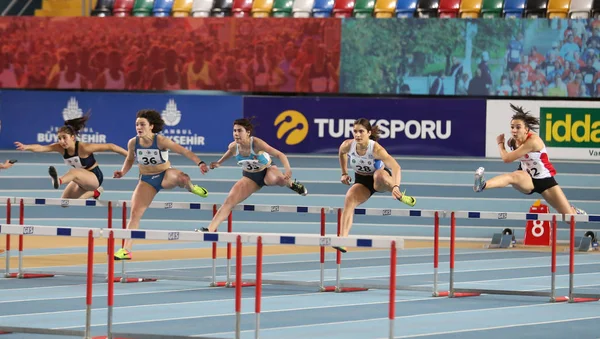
{"x": 59, "y": 231}
{"x": 229, "y": 283}
{"x": 435, "y": 214}
{"x": 472, "y": 292}
{"x": 258, "y": 239}
{"x": 25, "y": 201}
{"x": 575, "y": 297}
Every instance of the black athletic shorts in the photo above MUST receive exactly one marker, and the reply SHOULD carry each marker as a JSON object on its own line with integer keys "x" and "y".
{"x": 367, "y": 180}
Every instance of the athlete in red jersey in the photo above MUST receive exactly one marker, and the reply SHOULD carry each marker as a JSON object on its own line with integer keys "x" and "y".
{"x": 535, "y": 173}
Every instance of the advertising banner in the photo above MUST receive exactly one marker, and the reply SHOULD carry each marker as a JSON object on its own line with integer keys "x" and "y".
{"x": 570, "y": 129}
{"x": 444, "y": 127}
{"x": 155, "y": 54}
{"x": 200, "y": 123}
{"x": 475, "y": 57}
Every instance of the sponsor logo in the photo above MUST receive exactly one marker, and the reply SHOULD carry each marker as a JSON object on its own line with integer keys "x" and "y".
{"x": 72, "y": 111}
{"x": 570, "y": 127}
{"x": 292, "y": 127}
{"x": 182, "y": 136}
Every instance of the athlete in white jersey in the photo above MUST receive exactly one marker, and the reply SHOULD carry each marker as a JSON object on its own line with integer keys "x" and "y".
{"x": 150, "y": 150}
{"x": 365, "y": 156}
{"x": 535, "y": 173}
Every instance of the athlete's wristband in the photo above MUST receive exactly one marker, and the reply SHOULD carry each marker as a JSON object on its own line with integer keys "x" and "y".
{"x": 201, "y": 162}
{"x": 344, "y": 173}
{"x": 396, "y": 186}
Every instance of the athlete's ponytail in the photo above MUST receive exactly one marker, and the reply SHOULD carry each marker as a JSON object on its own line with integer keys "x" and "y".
{"x": 73, "y": 126}
{"x": 520, "y": 114}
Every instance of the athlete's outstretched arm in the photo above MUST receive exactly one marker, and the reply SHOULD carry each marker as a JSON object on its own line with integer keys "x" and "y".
{"x": 225, "y": 156}
{"x": 55, "y": 147}
{"x": 164, "y": 142}
{"x": 343, "y": 155}
{"x": 93, "y": 148}
{"x": 260, "y": 145}
{"x": 380, "y": 153}
{"x": 128, "y": 160}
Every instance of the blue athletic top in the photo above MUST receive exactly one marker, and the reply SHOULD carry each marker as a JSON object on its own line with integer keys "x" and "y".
{"x": 152, "y": 155}
{"x": 254, "y": 162}
{"x": 76, "y": 161}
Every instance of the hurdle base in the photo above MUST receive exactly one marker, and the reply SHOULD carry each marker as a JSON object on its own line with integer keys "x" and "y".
{"x": 457, "y": 294}
{"x": 583, "y": 300}
{"x": 232, "y": 284}
{"x": 29, "y": 276}
{"x": 133, "y": 280}
{"x": 343, "y": 289}
{"x": 560, "y": 299}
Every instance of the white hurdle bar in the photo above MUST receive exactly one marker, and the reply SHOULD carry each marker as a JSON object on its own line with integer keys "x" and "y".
{"x": 573, "y": 219}
{"x": 435, "y": 214}
{"x": 59, "y": 231}
{"x": 392, "y": 243}
{"x": 241, "y": 207}
{"x": 22, "y": 202}
{"x": 471, "y": 292}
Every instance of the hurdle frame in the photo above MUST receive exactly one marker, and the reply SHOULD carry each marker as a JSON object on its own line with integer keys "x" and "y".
{"x": 29, "y": 201}
{"x": 435, "y": 214}
{"x": 573, "y": 296}
{"x": 229, "y": 283}
{"x": 61, "y": 231}
{"x": 264, "y": 238}
{"x": 473, "y": 292}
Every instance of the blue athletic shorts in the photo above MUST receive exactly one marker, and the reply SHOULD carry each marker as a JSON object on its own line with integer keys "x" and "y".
{"x": 154, "y": 180}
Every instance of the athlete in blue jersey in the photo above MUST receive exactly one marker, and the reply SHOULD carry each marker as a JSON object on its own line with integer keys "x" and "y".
{"x": 151, "y": 151}
{"x": 85, "y": 178}
{"x": 254, "y": 156}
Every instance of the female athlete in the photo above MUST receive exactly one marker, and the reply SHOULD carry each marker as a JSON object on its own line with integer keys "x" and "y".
{"x": 151, "y": 151}
{"x": 367, "y": 158}
{"x": 254, "y": 156}
{"x": 84, "y": 180}
{"x": 535, "y": 173}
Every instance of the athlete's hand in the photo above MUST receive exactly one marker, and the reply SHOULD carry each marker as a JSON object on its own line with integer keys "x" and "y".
{"x": 346, "y": 179}
{"x": 20, "y": 146}
{"x": 396, "y": 193}
{"x": 203, "y": 168}
{"x": 500, "y": 139}
{"x": 6, "y": 164}
{"x": 214, "y": 165}
{"x": 118, "y": 174}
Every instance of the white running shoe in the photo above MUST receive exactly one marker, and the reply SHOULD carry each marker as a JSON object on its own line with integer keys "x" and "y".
{"x": 479, "y": 180}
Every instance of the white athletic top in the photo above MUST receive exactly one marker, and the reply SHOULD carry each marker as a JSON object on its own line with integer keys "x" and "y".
{"x": 537, "y": 164}
{"x": 362, "y": 164}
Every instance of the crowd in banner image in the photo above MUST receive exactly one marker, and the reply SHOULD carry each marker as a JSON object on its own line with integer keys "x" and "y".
{"x": 160, "y": 54}
{"x": 567, "y": 64}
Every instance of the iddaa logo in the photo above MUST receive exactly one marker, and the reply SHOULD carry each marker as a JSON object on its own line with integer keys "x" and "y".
{"x": 570, "y": 127}
{"x": 292, "y": 127}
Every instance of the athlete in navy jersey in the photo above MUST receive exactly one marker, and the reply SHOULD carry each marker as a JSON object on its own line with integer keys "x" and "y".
{"x": 85, "y": 178}
{"x": 253, "y": 155}
{"x": 150, "y": 150}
